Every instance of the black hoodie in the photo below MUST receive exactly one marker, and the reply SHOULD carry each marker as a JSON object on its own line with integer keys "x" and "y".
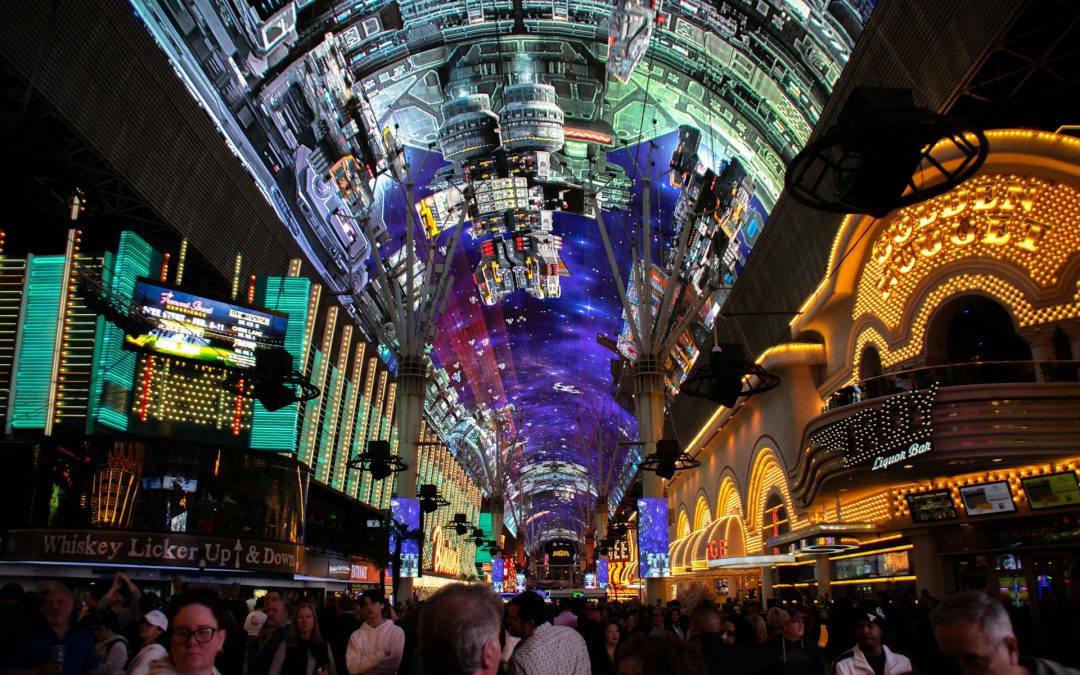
{"x": 799, "y": 657}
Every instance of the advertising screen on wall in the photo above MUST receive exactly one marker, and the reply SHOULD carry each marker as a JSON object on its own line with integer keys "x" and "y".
{"x": 1047, "y": 492}
{"x": 931, "y": 506}
{"x": 654, "y": 559}
{"x": 194, "y": 327}
{"x": 497, "y": 574}
{"x": 987, "y": 499}
{"x": 602, "y": 573}
{"x": 406, "y": 511}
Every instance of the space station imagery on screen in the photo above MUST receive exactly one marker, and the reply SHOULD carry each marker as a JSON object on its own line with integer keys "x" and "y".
{"x": 513, "y": 124}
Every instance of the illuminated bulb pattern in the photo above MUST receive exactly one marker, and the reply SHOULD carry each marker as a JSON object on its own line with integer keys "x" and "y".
{"x": 895, "y": 423}
{"x": 453, "y": 556}
{"x": 175, "y": 391}
{"x": 702, "y": 513}
{"x": 729, "y": 503}
{"x": 1025, "y": 223}
{"x": 1025, "y": 313}
{"x": 683, "y": 528}
{"x": 12, "y": 275}
{"x": 766, "y": 475}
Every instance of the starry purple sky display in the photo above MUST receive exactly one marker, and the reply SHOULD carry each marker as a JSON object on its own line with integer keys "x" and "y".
{"x": 542, "y": 356}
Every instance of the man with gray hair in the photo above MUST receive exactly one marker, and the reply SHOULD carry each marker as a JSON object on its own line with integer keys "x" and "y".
{"x": 59, "y": 646}
{"x": 974, "y": 629}
{"x": 459, "y": 631}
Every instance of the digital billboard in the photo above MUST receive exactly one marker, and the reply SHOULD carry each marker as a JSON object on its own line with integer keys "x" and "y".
{"x": 214, "y": 332}
{"x": 497, "y": 574}
{"x": 406, "y": 512}
{"x": 602, "y": 573}
{"x": 654, "y": 559}
{"x": 1047, "y": 492}
{"x": 987, "y": 499}
{"x": 930, "y": 506}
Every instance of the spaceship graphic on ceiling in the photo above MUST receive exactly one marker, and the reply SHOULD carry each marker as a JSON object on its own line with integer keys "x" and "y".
{"x": 506, "y": 177}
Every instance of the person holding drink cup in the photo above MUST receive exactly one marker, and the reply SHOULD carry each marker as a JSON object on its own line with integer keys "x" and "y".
{"x": 58, "y": 647}
{"x": 304, "y": 651}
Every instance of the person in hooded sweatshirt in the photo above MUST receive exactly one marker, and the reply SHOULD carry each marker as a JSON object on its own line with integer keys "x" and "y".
{"x": 797, "y": 653}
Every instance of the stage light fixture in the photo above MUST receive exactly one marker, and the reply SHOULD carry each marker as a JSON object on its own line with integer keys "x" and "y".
{"x": 668, "y": 459}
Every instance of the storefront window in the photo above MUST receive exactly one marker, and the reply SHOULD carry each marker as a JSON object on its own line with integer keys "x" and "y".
{"x": 157, "y": 486}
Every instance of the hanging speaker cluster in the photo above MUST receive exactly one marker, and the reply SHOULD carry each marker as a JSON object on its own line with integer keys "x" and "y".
{"x": 378, "y": 461}
{"x": 728, "y": 376}
{"x": 272, "y": 382}
{"x": 668, "y": 459}
{"x": 868, "y": 160}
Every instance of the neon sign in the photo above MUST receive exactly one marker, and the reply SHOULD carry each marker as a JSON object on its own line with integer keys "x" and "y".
{"x": 993, "y": 211}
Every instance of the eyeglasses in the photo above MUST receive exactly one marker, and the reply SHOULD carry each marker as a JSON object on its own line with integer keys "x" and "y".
{"x": 202, "y": 635}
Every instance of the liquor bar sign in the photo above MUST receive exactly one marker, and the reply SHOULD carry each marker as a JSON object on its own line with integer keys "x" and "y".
{"x": 171, "y": 550}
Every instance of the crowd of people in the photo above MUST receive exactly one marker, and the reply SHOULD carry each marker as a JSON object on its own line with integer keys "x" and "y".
{"x": 467, "y": 629}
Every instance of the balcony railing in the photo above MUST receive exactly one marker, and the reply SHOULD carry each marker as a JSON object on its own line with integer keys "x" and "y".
{"x": 951, "y": 375}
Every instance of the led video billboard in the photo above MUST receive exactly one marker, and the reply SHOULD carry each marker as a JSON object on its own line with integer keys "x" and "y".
{"x": 654, "y": 559}
{"x": 987, "y": 499}
{"x": 194, "y": 327}
{"x": 406, "y": 511}
{"x": 1056, "y": 489}
{"x": 602, "y": 573}
{"x": 930, "y": 506}
{"x": 497, "y": 574}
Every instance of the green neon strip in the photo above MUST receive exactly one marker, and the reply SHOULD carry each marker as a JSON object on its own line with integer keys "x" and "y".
{"x": 36, "y": 343}
{"x": 289, "y": 295}
{"x": 325, "y": 471}
{"x": 309, "y": 441}
{"x": 113, "y": 373}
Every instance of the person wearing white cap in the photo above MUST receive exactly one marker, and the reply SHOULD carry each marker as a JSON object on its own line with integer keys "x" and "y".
{"x": 152, "y": 626}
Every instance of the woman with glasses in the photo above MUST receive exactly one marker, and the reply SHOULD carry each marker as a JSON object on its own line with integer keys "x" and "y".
{"x": 151, "y": 627}
{"x": 196, "y": 638}
{"x": 304, "y": 652}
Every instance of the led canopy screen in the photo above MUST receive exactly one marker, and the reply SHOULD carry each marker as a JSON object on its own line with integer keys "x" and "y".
{"x": 215, "y": 332}
{"x": 930, "y": 506}
{"x": 654, "y": 559}
{"x": 987, "y": 499}
{"x": 1047, "y": 492}
{"x": 406, "y": 512}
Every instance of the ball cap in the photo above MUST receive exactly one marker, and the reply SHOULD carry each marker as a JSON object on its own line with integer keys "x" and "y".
{"x": 872, "y": 614}
{"x": 156, "y": 618}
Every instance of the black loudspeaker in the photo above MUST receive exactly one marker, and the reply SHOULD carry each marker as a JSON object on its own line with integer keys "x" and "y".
{"x": 380, "y": 468}
{"x": 272, "y": 365}
{"x": 728, "y": 368}
{"x": 667, "y": 451}
{"x": 888, "y": 159}
{"x": 273, "y": 362}
{"x": 429, "y": 497}
{"x": 273, "y": 395}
